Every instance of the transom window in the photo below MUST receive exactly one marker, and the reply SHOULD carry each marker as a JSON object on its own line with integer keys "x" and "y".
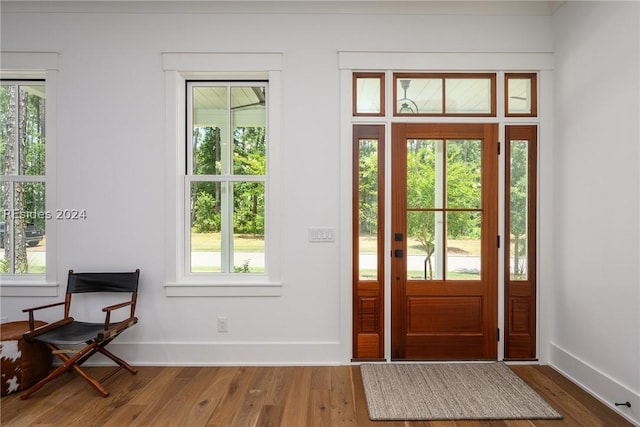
{"x": 521, "y": 98}
{"x": 368, "y": 94}
{"x": 431, "y": 94}
{"x": 226, "y": 176}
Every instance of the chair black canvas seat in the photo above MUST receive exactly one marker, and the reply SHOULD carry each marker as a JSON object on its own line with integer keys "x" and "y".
{"x": 72, "y": 334}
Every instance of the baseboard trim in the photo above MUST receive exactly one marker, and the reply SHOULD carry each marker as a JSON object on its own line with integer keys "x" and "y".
{"x": 224, "y": 353}
{"x": 601, "y": 386}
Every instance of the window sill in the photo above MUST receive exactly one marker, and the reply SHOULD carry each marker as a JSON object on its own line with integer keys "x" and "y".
{"x": 190, "y": 289}
{"x": 27, "y": 288}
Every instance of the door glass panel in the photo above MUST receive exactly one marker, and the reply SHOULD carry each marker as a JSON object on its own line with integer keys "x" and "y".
{"x": 463, "y": 245}
{"x": 426, "y": 182}
{"x": 518, "y": 208}
{"x": 468, "y": 96}
{"x": 368, "y": 212}
{"x": 418, "y": 96}
{"x": 425, "y": 173}
{"x": 424, "y": 245}
{"x": 464, "y": 166}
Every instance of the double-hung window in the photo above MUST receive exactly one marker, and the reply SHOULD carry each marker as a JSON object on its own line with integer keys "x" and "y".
{"x": 27, "y": 173}
{"x": 223, "y": 185}
{"x": 226, "y": 177}
{"x": 22, "y": 166}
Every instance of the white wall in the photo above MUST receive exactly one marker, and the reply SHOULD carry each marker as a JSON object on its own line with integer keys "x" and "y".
{"x": 111, "y": 163}
{"x": 596, "y": 315}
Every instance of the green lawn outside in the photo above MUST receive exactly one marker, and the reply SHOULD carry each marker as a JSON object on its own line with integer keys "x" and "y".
{"x": 211, "y": 242}
{"x": 456, "y": 247}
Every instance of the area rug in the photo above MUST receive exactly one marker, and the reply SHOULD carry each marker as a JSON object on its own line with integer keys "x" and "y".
{"x": 450, "y": 391}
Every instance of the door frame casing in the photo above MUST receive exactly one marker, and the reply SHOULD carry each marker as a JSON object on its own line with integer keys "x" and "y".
{"x": 350, "y": 61}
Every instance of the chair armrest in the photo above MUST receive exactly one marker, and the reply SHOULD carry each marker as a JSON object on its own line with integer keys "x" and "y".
{"x": 109, "y": 309}
{"x": 43, "y": 306}
{"x": 117, "y": 306}
{"x": 28, "y": 336}
{"x": 117, "y": 328}
{"x": 31, "y": 310}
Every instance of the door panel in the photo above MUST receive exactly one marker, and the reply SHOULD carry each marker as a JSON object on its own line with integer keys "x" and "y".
{"x": 444, "y": 223}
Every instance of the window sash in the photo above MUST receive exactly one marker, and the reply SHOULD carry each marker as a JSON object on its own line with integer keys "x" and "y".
{"x": 227, "y": 263}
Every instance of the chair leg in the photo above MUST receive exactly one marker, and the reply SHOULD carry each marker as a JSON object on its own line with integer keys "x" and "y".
{"x": 92, "y": 382}
{"x": 73, "y": 363}
{"x": 69, "y": 363}
{"x": 116, "y": 359}
{"x": 37, "y": 386}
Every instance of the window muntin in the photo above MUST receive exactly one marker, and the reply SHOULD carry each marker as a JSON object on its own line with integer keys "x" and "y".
{"x": 22, "y": 171}
{"x": 428, "y": 94}
{"x": 226, "y": 177}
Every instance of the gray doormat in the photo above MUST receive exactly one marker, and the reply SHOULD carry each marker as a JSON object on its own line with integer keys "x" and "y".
{"x": 451, "y": 391}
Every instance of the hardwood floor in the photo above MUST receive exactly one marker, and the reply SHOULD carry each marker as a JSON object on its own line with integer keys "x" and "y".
{"x": 259, "y": 396}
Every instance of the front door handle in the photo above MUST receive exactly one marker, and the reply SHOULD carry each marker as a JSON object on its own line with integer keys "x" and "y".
{"x": 398, "y": 253}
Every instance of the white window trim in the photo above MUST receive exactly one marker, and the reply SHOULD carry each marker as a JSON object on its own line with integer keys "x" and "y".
{"x": 178, "y": 68}
{"x": 38, "y": 65}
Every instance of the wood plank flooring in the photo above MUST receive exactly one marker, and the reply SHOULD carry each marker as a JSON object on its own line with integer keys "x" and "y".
{"x": 259, "y": 396}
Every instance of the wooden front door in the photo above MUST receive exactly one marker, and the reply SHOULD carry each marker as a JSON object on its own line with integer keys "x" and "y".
{"x": 444, "y": 241}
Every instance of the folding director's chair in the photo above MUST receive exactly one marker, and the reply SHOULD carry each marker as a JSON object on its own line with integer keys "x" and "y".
{"x": 94, "y": 337}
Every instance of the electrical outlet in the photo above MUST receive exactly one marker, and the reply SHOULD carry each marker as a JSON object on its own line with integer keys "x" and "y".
{"x": 223, "y": 324}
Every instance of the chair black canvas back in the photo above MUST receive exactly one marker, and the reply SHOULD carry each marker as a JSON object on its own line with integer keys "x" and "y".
{"x": 102, "y": 282}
